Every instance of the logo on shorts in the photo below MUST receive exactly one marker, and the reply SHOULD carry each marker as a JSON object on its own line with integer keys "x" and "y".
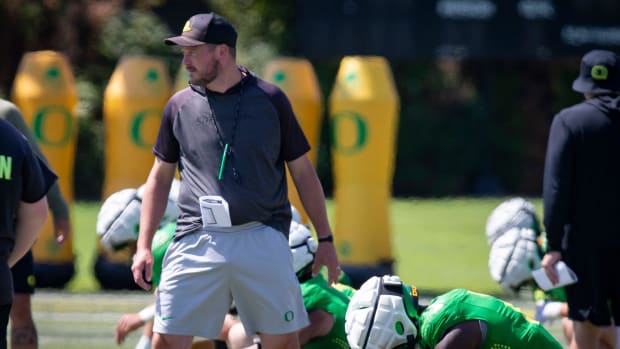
{"x": 585, "y": 313}
{"x": 289, "y": 316}
{"x": 210, "y": 240}
{"x": 164, "y": 318}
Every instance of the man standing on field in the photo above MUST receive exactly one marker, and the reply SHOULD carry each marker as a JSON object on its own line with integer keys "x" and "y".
{"x": 581, "y": 194}
{"x": 231, "y": 135}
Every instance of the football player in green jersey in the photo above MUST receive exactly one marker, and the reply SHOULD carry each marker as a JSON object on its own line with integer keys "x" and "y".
{"x": 326, "y": 306}
{"x": 384, "y": 313}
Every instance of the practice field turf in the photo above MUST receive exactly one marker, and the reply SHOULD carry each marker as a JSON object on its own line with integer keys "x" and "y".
{"x": 438, "y": 244}
{"x": 88, "y": 320}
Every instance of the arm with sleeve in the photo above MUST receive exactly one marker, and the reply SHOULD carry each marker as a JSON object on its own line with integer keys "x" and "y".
{"x": 557, "y": 186}
{"x": 57, "y": 204}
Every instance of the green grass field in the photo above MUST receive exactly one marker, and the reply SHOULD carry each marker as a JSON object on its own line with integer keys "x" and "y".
{"x": 438, "y": 245}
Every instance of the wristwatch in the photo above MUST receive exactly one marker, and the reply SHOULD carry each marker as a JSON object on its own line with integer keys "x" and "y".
{"x": 328, "y": 238}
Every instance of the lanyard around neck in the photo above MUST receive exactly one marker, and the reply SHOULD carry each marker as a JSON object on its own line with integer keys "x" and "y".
{"x": 227, "y": 148}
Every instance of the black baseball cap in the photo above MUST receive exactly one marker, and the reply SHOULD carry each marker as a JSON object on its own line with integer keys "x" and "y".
{"x": 205, "y": 28}
{"x": 599, "y": 73}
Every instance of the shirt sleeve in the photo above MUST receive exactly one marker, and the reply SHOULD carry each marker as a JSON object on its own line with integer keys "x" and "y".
{"x": 57, "y": 204}
{"x": 557, "y": 182}
{"x": 37, "y": 177}
{"x": 166, "y": 145}
{"x": 294, "y": 142}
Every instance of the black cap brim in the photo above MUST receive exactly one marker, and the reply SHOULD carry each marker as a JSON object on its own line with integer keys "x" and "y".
{"x": 584, "y": 86}
{"x": 183, "y": 41}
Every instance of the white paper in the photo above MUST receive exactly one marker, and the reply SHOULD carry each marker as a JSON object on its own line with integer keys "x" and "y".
{"x": 566, "y": 274}
{"x": 214, "y": 210}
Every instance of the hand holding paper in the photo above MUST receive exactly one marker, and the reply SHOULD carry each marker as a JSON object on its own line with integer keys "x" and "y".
{"x": 566, "y": 275}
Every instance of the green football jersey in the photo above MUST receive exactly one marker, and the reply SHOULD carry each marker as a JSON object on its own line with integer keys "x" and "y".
{"x": 161, "y": 240}
{"x": 507, "y": 326}
{"x": 318, "y": 295}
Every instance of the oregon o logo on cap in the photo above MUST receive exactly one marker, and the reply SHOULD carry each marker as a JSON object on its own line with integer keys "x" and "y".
{"x": 599, "y": 72}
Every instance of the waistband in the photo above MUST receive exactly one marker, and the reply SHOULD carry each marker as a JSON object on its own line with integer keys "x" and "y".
{"x": 234, "y": 228}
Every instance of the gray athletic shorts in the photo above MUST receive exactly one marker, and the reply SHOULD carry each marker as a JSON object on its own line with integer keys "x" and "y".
{"x": 204, "y": 271}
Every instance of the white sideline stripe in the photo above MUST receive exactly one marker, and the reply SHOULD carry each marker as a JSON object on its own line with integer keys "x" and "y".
{"x": 74, "y": 340}
{"x": 72, "y": 317}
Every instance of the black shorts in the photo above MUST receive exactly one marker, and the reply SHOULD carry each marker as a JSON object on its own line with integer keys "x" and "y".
{"x": 596, "y": 296}
{"x": 5, "y": 310}
{"x": 23, "y": 274}
{"x": 6, "y": 280}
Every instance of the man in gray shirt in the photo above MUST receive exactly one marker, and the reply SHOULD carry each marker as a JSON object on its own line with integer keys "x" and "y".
{"x": 232, "y": 136}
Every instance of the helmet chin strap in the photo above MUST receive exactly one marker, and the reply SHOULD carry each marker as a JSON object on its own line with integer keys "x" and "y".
{"x": 305, "y": 274}
{"x": 410, "y": 341}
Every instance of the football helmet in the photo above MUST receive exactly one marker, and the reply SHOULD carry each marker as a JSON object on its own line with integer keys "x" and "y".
{"x": 513, "y": 256}
{"x": 303, "y": 247}
{"x": 383, "y": 314}
{"x": 513, "y": 213}
{"x": 118, "y": 219}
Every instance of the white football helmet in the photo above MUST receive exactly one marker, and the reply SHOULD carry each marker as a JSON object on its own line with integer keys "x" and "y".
{"x": 383, "y": 314}
{"x": 303, "y": 247}
{"x": 513, "y": 256}
{"x": 172, "y": 210}
{"x": 513, "y": 213}
{"x": 119, "y": 219}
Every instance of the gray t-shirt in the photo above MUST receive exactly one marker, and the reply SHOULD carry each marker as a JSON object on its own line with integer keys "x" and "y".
{"x": 256, "y": 120}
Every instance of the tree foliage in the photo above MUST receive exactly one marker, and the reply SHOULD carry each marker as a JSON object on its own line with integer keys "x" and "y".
{"x": 465, "y": 127}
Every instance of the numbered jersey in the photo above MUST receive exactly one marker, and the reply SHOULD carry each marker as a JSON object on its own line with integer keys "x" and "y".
{"x": 318, "y": 295}
{"x": 507, "y": 326}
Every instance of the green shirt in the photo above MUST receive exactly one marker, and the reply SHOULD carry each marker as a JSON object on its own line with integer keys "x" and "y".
{"x": 161, "y": 240}
{"x": 318, "y": 295}
{"x": 507, "y": 326}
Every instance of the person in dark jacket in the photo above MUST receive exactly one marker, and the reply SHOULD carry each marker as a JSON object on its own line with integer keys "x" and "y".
{"x": 24, "y": 182}
{"x": 581, "y": 194}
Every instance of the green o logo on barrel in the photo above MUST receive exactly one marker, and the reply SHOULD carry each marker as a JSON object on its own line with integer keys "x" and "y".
{"x": 137, "y": 121}
{"x": 349, "y": 119}
{"x": 52, "y": 114}
{"x": 279, "y": 76}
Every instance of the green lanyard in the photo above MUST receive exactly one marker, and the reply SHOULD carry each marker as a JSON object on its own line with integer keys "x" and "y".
{"x": 223, "y": 162}
{"x": 226, "y": 146}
